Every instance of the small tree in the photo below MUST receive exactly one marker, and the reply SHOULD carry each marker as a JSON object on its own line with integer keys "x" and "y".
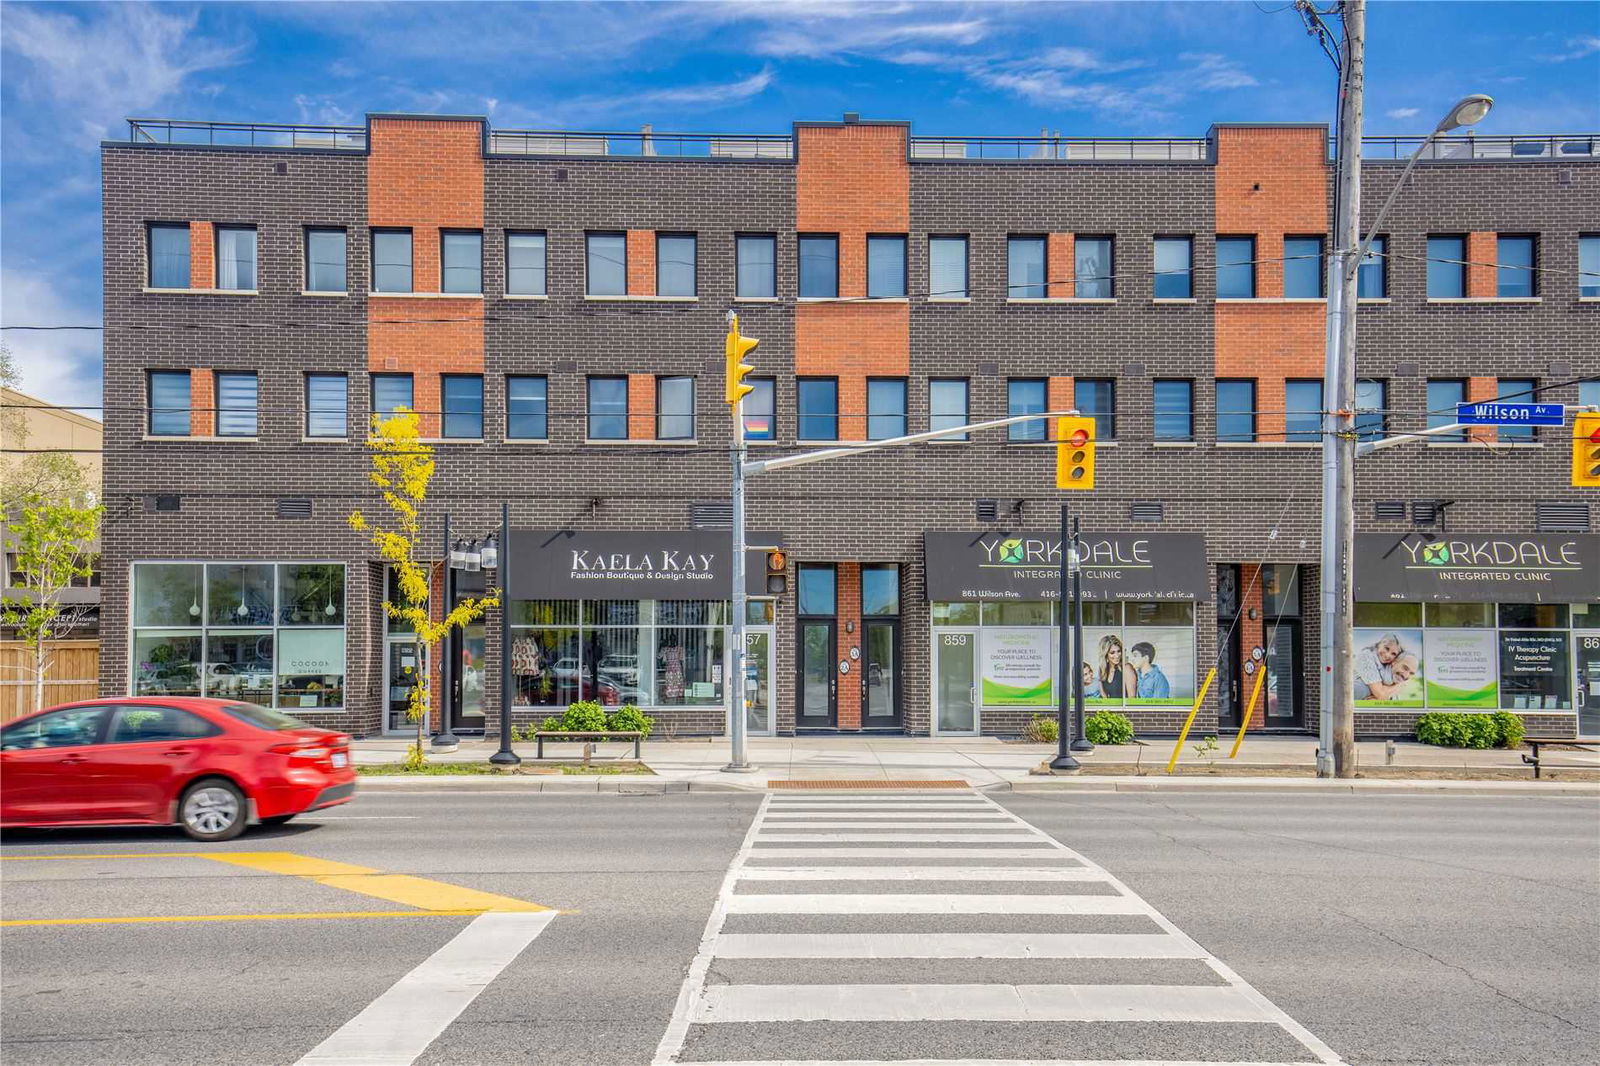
{"x": 402, "y": 467}
{"x": 52, "y": 535}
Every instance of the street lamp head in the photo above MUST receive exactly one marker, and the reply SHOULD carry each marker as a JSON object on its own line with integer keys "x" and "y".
{"x": 1469, "y": 111}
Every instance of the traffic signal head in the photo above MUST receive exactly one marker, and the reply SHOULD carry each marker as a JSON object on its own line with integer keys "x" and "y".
{"x": 1075, "y": 448}
{"x": 1586, "y": 451}
{"x": 737, "y": 348}
{"x": 777, "y": 579}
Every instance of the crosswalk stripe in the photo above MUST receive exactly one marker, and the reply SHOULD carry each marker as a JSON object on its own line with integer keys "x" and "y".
{"x": 789, "y": 817}
{"x": 977, "y": 1003}
{"x": 956, "y": 946}
{"x": 1005, "y": 1062}
{"x": 949, "y": 836}
{"x": 917, "y": 873}
{"x": 908, "y": 853}
{"x": 892, "y": 903}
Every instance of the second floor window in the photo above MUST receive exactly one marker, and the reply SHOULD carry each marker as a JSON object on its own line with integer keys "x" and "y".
{"x": 527, "y": 408}
{"x": 327, "y": 405}
{"x": 1236, "y": 268}
{"x": 169, "y": 256}
{"x": 1026, "y": 396}
{"x": 819, "y": 268}
{"x": 886, "y": 408}
{"x": 1097, "y": 398}
{"x": 1236, "y": 411}
{"x": 1025, "y": 270}
{"x": 886, "y": 267}
{"x": 608, "y": 408}
{"x": 463, "y": 406}
{"x": 1514, "y": 271}
{"x": 818, "y": 401}
{"x": 760, "y": 409}
{"x": 607, "y": 264}
{"x": 236, "y": 404}
{"x": 236, "y": 257}
{"x": 390, "y": 392}
{"x": 1174, "y": 409}
{"x": 756, "y": 267}
{"x": 947, "y": 268}
{"x": 1589, "y": 266}
{"x": 525, "y": 264}
{"x": 675, "y": 408}
{"x": 1447, "y": 272}
{"x": 1443, "y": 395}
{"x": 1174, "y": 268}
{"x": 947, "y": 405}
{"x": 1302, "y": 420}
{"x": 675, "y": 264}
{"x": 1302, "y": 268}
{"x": 325, "y": 260}
{"x": 391, "y": 260}
{"x": 461, "y": 261}
{"x": 1091, "y": 268}
{"x": 169, "y": 403}
{"x": 1372, "y": 276}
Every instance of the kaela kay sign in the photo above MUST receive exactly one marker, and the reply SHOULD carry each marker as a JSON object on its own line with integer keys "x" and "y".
{"x": 608, "y": 564}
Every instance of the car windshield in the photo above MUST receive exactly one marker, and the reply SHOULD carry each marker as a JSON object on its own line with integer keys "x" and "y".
{"x": 264, "y": 717}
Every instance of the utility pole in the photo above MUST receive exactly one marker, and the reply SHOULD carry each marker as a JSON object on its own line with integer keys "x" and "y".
{"x": 1336, "y": 733}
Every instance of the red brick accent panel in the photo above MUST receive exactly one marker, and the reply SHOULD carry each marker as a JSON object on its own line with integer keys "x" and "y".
{"x": 1482, "y": 248}
{"x": 1060, "y": 393}
{"x": 1270, "y": 182}
{"x": 1060, "y": 265}
{"x": 848, "y": 609}
{"x": 852, "y": 342}
{"x": 202, "y": 400}
{"x": 1252, "y": 633}
{"x": 1478, "y": 391}
{"x": 1269, "y": 342}
{"x": 852, "y": 180}
{"x": 202, "y": 256}
{"x": 641, "y": 401}
{"x": 641, "y": 262}
{"x": 398, "y": 343}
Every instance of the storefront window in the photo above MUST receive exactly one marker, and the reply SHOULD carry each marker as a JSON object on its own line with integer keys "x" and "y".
{"x": 955, "y": 614}
{"x": 1018, "y": 613}
{"x": 817, "y": 598}
{"x": 1533, "y": 616}
{"x": 1388, "y": 614}
{"x": 260, "y": 632}
{"x": 1586, "y": 616}
{"x": 1280, "y": 589}
{"x": 688, "y": 666}
{"x": 1161, "y": 613}
{"x": 1461, "y": 615}
{"x": 1534, "y": 671}
{"x": 759, "y": 612}
{"x": 880, "y": 590}
{"x": 1099, "y": 613}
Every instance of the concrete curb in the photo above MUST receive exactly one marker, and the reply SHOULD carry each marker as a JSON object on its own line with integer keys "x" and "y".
{"x": 1370, "y": 786}
{"x": 631, "y": 785}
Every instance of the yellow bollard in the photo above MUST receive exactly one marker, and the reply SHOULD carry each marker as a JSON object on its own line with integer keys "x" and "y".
{"x": 1255, "y": 694}
{"x": 1187, "y": 722}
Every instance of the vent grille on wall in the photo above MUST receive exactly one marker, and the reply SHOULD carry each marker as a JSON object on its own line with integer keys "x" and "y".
{"x": 1146, "y": 511}
{"x": 1556, "y": 517}
{"x": 166, "y": 502}
{"x": 1389, "y": 510}
{"x": 294, "y": 507}
{"x": 718, "y": 514}
{"x": 988, "y": 510}
{"x": 1424, "y": 513}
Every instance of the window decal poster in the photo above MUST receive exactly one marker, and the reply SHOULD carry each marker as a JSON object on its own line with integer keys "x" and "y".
{"x": 1388, "y": 667}
{"x": 1462, "y": 668}
{"x": 1160, "y": 665}
{"x": 1016, "y": 668}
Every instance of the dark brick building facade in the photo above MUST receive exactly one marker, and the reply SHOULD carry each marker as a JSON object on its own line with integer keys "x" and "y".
{"x": 245, "y": 501}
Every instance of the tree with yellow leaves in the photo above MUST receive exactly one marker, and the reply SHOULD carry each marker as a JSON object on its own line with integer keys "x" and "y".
{"x": 402, "y": 468}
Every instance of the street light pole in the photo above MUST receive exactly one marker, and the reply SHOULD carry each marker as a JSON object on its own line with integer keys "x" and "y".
{"x": 1080, "y": 740}
{"x": 444, "y": 739}
{"x": 505, "y": 756}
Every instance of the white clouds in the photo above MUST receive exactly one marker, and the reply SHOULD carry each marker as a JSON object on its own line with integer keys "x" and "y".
{"x": 1208, "y": 70}
{"x": 1403, "y": 112}
{"x": 94, "y": 71}
{"x": 1577, "y": 48}
{"x": 60, "y": 366}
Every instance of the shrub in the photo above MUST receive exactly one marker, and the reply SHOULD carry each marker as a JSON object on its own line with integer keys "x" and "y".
{"x": 1455, "y": 729}
{"x": 628, "y": 718}
{"x": 1509, "y": 728}
{"x": 585, "y": 716}
{"x": 1108, "y": 727}
{"x": 551, "y": 725}
{"x": 1040, "y": 730}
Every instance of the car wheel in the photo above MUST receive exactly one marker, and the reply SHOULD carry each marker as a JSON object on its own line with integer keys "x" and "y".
{"x": 277, "y": 819}
{"x": 212, "y": 809}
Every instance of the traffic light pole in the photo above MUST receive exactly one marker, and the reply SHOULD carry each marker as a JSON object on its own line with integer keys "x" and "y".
{"x": 738, "y": 702}
{"x": 1080, "y": 742}
{"x": 1066, "y": 661}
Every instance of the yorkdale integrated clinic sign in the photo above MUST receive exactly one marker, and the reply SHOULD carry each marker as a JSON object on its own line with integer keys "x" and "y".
{"x": 1027, "y": 566}
{"x": 624, "y": 565}
{"x": 1478, "y": 567}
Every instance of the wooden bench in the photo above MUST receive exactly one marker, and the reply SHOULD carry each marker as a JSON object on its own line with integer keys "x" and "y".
{"x": 1536, "y": 742}
{"x": 618, "y": 734}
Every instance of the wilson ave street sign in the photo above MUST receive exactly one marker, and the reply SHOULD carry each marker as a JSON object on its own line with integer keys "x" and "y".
{"x": 1497, "y": 413}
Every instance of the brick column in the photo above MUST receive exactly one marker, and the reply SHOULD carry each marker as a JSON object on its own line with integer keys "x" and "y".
{"x": 1482, "y": 248}
{"x": 1060, "y": 398}
{"x": 1060, "y": 265}
{"x": 1481, "y": 390}
{"x": 641, "y": 256}
{"x": 202, "y": 403}
{"x": 641, "y": 405}
{"x": 1252, "y": 633}
{"x": 848, "y": 614}
{"x": 202, "y": 255}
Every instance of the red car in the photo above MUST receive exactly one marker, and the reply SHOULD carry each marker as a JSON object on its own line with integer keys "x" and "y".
{"x": 211, "y": 766}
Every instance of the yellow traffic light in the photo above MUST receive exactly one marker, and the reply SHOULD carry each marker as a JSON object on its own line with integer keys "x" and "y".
{"x": 1075, "y": 453}
{"x": 738, "y": 347}
{"x": 1586, "y": 451}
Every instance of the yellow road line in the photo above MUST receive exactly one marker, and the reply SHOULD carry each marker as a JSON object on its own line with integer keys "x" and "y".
{"x": 240, "y": 917}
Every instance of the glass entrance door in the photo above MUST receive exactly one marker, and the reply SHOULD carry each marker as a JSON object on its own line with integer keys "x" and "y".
{"x": 467, "y": 681}
{"x": 1283, "y": 696}
{"x": 1229, "y": 706}
{"x": 818, "y": 705}
{"x": 404, "y": 672}
{"x": 1586, "y": 657}
{"x": 955, "y": 681}
{"x": 758, "y": 691}
{"x": 880, "y": 674}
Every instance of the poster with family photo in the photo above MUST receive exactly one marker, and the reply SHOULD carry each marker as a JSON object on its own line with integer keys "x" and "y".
{"x": 1388, "y": 668}
{"x": 1148, "y": 665}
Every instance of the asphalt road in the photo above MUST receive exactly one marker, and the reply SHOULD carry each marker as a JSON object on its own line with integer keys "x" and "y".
{"x": 1397, "y": 929}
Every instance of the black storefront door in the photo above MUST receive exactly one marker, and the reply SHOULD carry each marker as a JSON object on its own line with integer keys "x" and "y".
{"x": 1229, "y": 705}
{"x": 880, "y": 674}
{"x": 817, "y": 690}
{"x": 1283, "y": 693}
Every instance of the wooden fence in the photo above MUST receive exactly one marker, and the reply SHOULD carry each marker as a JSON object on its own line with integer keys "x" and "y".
{"x": 73, "y": 674}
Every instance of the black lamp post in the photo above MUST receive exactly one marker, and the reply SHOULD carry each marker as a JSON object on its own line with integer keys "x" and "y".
{"x": 444, "y": 739}
{"x": 502, "y": 561}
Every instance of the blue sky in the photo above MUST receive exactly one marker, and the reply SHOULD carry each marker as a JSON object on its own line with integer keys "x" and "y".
{"x": 72, "y": 72}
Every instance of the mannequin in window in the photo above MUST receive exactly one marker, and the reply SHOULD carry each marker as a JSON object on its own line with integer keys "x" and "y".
{"x": 672, "y": 672}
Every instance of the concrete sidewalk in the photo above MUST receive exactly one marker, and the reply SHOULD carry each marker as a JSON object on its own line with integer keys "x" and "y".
{"x": 979, "y": 761}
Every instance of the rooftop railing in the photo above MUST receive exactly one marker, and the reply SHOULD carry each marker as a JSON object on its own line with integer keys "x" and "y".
{"x": 642, "y": 144}
{"x": 1489, "y": 149}
{"x": 1064, "y": 149}
{"x": 247, "y": 134}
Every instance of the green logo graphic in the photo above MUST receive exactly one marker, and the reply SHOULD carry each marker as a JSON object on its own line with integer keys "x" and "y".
{"x": 1436, "y": 554}
{"x": 1011, "y": 551}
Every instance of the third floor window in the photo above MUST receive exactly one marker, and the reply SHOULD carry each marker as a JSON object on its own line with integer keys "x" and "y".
{"x": 1302, "y": 268}
{"x": 675, "y": 264}
{"x": 607, "y": 265}
{"x": 1589, "y": 266}
{"x": 1514, "y": 270}
{"x": 819, "y": 267}
{"x": 1372, "y": 277}
{"x": 236, "y": 257}
{"x": 1092, "y": 268}
{"x": 461, "y": 261}
{"x": 947, "y": 268}
{"x": 325, "y": 259}
{"x": 886, "y": 268}
{"x": 756, "y": 267}
{"x": 1025, "y": 270}
{"x": 1174, "y": 268}
{"x": 168, "y": 253}
{"x": 1447, "y": 272}
{"x": 391, "y": 260}
{"x": 1236, "y": 268}
{"x": 525, "y": 264}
